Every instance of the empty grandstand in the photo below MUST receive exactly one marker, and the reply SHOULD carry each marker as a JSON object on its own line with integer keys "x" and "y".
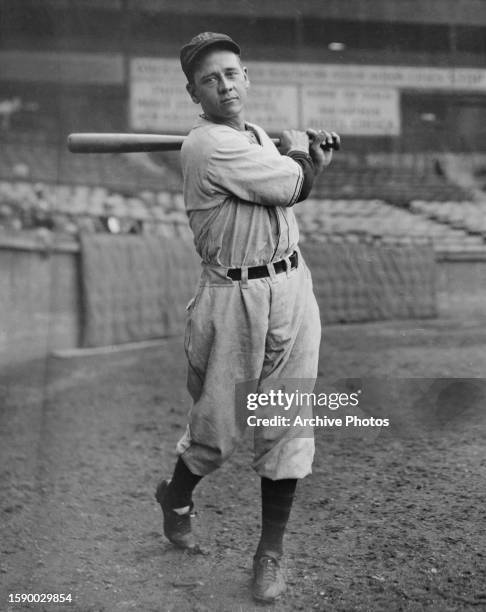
{"x": 404, "y": 85}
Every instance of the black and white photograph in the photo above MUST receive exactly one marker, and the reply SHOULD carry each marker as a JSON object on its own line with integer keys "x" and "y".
{"x": 243, "y": 305}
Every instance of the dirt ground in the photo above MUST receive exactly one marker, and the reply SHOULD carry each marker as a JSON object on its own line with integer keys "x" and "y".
{"x": 392, "y": 519}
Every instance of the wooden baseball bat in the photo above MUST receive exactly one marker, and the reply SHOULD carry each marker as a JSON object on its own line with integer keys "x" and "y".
{"x": 134, "y": 143}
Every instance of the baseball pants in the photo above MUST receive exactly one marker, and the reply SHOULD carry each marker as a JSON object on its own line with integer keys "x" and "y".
{"x": 249, "y": 335}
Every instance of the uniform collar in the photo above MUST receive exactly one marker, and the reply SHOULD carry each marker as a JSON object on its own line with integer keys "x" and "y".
{"x": 201, "y": 120}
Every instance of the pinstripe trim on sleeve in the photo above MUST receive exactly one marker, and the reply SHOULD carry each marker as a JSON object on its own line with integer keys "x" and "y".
{"x": 298, "y": 187}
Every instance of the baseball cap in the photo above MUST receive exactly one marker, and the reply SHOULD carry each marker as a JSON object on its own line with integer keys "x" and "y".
{"x": 192, "y": 50}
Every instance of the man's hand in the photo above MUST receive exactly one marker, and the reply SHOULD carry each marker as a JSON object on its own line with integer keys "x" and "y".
{"x": 310, "y": 142}
{"x": 320, "y": 157}
{"x": 294, "y": 140}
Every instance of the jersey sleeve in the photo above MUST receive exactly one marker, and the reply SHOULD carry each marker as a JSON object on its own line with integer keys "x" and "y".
{"x": 255, "y": 173}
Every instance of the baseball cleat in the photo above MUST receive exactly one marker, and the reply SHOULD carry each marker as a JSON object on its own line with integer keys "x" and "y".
{"x": 268, "y": 580}
{"x": 177, "y": 524}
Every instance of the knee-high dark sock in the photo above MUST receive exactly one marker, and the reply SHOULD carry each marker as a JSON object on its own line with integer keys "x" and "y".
{"x": 277, "y": 498}
{"x": 182, "y": 485}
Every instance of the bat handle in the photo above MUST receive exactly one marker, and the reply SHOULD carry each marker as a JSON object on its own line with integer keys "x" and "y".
{"x": 335, "y": 146}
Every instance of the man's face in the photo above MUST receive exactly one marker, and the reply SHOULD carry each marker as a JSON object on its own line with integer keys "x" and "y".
{"x": 220, "y": 85}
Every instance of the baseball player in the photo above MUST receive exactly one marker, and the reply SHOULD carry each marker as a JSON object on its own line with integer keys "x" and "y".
{"x": 254, "y": 319}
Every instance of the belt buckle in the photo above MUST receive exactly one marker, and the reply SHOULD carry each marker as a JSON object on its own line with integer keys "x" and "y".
{"x": 292, "y": 260}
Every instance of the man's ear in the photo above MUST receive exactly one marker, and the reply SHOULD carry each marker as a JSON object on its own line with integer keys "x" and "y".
{"x": 192, "y": 92}
{"x": 247, "y": 78}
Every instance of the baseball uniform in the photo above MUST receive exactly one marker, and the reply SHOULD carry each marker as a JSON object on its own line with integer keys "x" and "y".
{"x": 256, "y": 332}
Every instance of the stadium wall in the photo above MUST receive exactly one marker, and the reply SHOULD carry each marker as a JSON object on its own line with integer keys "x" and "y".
{"x": 39, "y": 298}
{"x": 461, "y": 284}
{"x": 42, "y": 308}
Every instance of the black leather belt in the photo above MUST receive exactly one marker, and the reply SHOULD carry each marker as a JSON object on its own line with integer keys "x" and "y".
{"x": 262, "y": 271}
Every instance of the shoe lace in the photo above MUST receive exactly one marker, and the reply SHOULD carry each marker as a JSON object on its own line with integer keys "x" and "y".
{"x": 269, "y": 567}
